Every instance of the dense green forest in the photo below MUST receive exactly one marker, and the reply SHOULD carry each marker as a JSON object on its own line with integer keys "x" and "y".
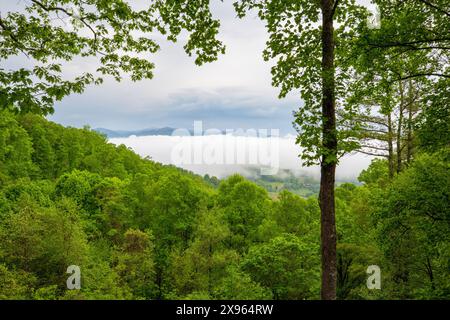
{"x": 142, "y": 230}
{"x": 375, "y": 83}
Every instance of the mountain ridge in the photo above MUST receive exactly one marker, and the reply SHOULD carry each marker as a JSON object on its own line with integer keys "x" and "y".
{"x": 164, "y": 131}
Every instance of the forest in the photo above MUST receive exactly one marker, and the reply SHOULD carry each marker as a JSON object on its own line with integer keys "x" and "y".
{"x": 139, "y": 229}
{"x": 142, "y": 230}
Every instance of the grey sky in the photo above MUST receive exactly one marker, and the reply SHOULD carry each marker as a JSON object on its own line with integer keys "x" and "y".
{"x": 233, "y": 92}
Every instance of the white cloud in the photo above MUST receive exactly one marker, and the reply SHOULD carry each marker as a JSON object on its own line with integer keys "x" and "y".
{"x": 150, "y": 103}
{"x": 160, "y": 149}
{"x": 234, "y": 91}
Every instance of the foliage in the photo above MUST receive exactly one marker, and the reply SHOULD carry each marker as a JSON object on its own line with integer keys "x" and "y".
{"x": 141, "y": 230}
{"x": 117, "y": 35}
{"x": 295, "y": 44}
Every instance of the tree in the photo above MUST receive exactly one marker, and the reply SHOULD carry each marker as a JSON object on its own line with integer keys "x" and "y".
{"x": 244, "y": 205}
{"x": 240, "y": 286}
{"x": 406, "y": 29}
{"x": 118, "y": 34}
{"x": 433, "y": 124}
{"x": 135, "y": 263}
{"x": 286, "y": 265}
{"x": 385, "y": 120}
{"x": 14, "y": 285}
{"x": 357, "y": 247}
{"x": 386, "y": 102}
{"x": 376, "y": 173}
{"x": 174, "y": 204}
{"x": 43, "y": 241}
{"x": 292, "y": 215}
{"x": 202, "y": 266}
{"x": 15, "y": 149}
{"x": 413, "y": 217}
{"x": 300, "y": 33}
{"x": 401, "y": 67}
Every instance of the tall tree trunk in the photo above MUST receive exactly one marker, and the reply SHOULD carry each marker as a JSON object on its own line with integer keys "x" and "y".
{"x": 390, "y": 146}
{"x": 409, "y": 145}
{"x": 329, "y": 158}
{"x": 399, "y": 128}
{"x": 430, "y": 273}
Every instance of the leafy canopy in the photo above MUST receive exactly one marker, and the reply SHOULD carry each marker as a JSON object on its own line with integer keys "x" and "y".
{"x": 294, "y": 43}
{"x": 118, "y": 35}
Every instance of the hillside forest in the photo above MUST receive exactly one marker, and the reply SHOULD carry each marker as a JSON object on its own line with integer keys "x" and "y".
{"x": 143, "y": 230}
{"x": 377, "y": 84}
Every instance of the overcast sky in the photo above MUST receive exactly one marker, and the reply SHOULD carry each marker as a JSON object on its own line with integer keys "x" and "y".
{"x": 233, "y": 92}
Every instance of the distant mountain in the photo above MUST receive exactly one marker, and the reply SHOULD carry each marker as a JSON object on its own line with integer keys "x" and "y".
{"x": 166, "y": 131}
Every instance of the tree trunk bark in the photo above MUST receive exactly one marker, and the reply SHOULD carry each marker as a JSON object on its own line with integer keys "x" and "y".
{"x": 329, "y": 155}
{"x": 399, "y": 128}
{"x": 390, "y": 146}
{"x": 410, "y": 114}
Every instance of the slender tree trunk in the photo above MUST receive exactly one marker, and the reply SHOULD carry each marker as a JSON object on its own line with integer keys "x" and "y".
{"x": 329, "y": 158}
{"x": 390, "y": 146}
{"x": 159, "y": 278}
{"x": 399, "y": 128}
{"x": 409, "y": 145}
{"x": 430, "y": 273}
{"x": 210, "y": 257}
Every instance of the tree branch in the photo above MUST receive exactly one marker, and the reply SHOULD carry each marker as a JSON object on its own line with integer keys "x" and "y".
{"x": 417, "y": 75}
{"x": 48, "y": 9}
{"x": 335, "y": 5}
{"x": 21, "y": 46}
{"x": 372, "y": 154}
{"x": 435, "y": 7}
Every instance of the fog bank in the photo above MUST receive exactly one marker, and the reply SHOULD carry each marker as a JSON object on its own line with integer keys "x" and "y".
{"x": 223, "y": 155}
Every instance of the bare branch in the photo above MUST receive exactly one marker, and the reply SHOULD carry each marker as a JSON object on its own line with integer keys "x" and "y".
{"x": 372, "y": 154}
